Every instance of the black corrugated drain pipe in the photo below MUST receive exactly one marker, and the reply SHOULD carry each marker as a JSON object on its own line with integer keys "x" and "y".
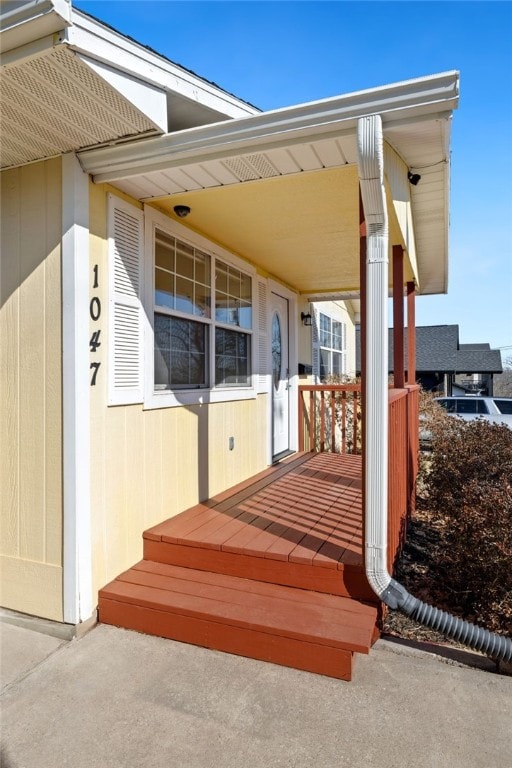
{"x": 393, "y": 594}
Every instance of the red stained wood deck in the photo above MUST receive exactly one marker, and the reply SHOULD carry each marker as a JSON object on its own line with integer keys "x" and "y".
{"x": 271, "y": 569}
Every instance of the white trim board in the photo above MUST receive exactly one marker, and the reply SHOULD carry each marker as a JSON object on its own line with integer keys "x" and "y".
{"x": 77, "y": 555}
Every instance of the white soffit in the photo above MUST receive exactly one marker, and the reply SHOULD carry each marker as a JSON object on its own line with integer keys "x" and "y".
{"x": 408, "y": 103}
{"x": 426, "y": 147}
{"x": 416, "y": 118}
{"x": 55, "y": 102}
{"x": 148, "y": 99}
{"x": 186, "y": 177}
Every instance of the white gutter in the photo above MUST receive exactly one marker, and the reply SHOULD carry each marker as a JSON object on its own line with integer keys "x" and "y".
{"x": 432, "y": 97}
{"x": 25, "y": 22}
{"x": 370, "y": 146}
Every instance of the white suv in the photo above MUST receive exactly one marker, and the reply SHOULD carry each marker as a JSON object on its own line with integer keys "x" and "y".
{"x": 471, "y": 407}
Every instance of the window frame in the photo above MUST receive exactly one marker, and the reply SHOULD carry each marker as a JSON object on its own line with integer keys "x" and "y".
{"x": 331, "y": 349}
{"x": 212, "y": 393}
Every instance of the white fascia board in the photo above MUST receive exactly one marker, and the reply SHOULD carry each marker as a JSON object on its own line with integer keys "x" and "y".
{"x": 103, "y": 44}
{"x": 22, "y": 23}
{"x": 414, "y": 100}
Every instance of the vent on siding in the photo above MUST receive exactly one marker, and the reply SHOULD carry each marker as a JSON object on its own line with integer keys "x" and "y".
{"x": 251, "y": 167}
{"x": 55, "y": 102}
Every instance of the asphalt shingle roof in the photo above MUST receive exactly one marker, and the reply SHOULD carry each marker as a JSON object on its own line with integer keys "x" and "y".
{"x": 438, "y": 350}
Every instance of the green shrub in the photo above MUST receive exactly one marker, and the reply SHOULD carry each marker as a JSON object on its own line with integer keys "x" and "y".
{"x": 468, "y": 484}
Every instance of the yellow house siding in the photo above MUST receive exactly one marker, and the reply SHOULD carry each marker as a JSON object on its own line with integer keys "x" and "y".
{"x": 31, "y": 393}
{"x": 148, "y": 465}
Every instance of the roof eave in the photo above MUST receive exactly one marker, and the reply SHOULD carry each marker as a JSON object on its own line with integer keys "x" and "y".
{"x": 414, "y": 100}
{"x": 23, "y": 23}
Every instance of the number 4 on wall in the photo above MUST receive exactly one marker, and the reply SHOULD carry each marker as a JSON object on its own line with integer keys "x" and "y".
{"x": 95, "y": 342}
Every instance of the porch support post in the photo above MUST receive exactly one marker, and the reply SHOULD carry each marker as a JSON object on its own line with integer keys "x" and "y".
{"x": 411, "y": 333}
{"x": 398, "y": 317}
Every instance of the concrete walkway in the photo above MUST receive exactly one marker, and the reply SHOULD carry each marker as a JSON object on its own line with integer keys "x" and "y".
{"x": 118, "y": 699}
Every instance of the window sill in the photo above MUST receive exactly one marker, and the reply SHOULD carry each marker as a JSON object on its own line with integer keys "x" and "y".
{"x": 167, "y": 399}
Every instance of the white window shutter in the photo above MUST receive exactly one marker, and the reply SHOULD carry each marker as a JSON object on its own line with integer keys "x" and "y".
{"x": 262, "y": 356}
{"x": 315, "y": 342}
{"x": 125, "y": 259}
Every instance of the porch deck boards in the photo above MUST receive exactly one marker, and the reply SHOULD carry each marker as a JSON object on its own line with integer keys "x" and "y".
{"x": 307, "y": 510}
{"x": 271, "y": 569}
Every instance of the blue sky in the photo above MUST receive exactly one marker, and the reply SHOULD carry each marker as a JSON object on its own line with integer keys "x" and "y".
{"x": 274, "y": 54}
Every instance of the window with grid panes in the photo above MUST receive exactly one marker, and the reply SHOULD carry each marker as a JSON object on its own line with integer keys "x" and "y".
{"x": 331, "y": 347}
{"x": 202, "y": 320}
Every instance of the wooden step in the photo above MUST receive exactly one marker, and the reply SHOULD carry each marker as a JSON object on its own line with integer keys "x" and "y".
{"x": 346, "y": 580}
{"x": 288, "y": 626}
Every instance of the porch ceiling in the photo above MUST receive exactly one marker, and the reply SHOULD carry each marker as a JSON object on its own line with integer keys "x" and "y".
{"x": 281, "y": 188}
{"x": 303, "y": 228}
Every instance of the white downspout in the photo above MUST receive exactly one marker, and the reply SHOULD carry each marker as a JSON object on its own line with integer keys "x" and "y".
{"x": 371, "y": 179}
{"x": 393, "y": 594}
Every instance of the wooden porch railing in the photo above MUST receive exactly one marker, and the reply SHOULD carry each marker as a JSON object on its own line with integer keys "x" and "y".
{"x": 403, "y": 464}
{"x": 330, "y": 419}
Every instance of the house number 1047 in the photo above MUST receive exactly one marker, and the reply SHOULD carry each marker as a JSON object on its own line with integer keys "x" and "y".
{"x": 95, "y": 313}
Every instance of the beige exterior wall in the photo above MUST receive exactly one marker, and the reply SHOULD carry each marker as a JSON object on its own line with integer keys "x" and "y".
{"x": 30, "y": 390}
{"x": 148, "y": 465}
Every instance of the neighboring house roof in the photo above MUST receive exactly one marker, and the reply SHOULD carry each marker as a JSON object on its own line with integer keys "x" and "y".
{"x": 438, "y": 349}
{"x": 479, "y": 361}
{"x": 474, "y": 346}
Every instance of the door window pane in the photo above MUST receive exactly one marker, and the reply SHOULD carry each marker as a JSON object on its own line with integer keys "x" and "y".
{"x": 277, "y": 351}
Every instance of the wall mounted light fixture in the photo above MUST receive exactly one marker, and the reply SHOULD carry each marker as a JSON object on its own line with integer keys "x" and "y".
{"x": 413, "y": 178}
{"x": 306, "y": 318}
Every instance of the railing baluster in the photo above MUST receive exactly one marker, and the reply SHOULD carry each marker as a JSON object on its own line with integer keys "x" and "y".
{"x": 333, "y": 420}
{"x": 322, "y": 421}
{"x": 355, "y": 422}
{"x": 301, "y": 421}
{"x": 343, "y": 422}
{"x": 312, "y": 421}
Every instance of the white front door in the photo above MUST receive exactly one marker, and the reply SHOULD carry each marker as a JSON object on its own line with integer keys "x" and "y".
{"x": 280, "y": 375}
